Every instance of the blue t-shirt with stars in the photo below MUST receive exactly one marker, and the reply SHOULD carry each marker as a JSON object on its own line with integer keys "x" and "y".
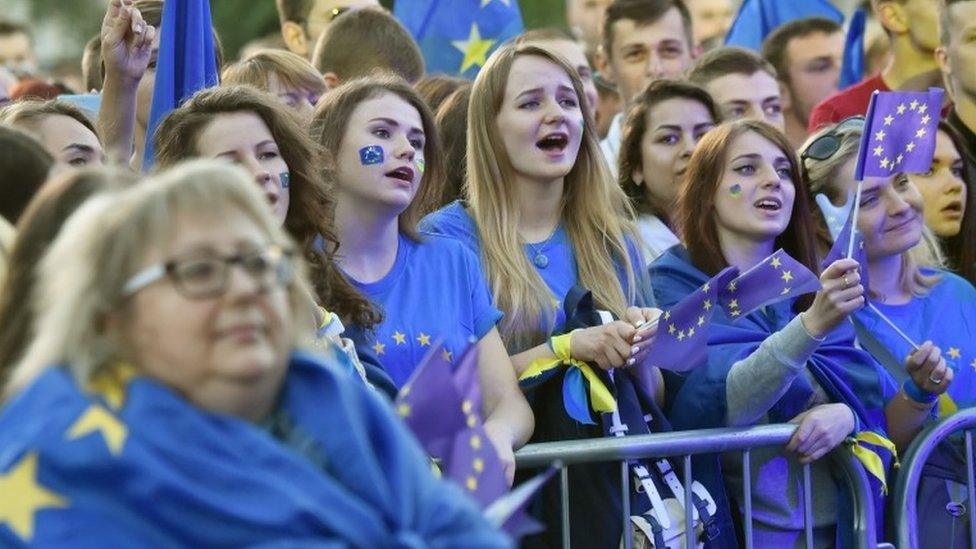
{"x": 434, "y": 291}
{"x": 559, "y": 272}
{"x": 947, "y": 316}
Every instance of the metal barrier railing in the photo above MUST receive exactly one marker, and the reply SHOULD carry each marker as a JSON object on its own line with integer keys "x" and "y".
{"x": 703, "y": 441}
{"x": 910, "y": 474}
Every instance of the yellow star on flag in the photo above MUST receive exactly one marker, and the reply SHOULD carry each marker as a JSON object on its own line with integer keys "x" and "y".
{"x": 478, "y": 465}
{"x": 920, "y": 132}
{"x": 98, "y": 420}
{"x": 379, "y": 348}
{"x": 925, "y": 119}
{"x": 878, "y": 150}
{"x": 786, "y": 290}
{"x": 910, "y": 146}
{"x": 880, "y": 135}
{"x": 691, "y": 332}
{"x": 424, "y": 339}
{"x": 921, "y": 110}
{"x": 706, "y": 287}
{"x": 899, "y": 158}
{"x": 888, "y": 120}
{"x": 448, "y": 355}
{"x": 733, "y": 304}
{"x": 734, "y": 312}
{"x": 667, "y": 315}
{"x": 732, "y": 286}
{"x": 914, "y": 105}
{"x": 475, "y": 49}
{"x": 973, "y": 364}
{"x": 707, "y": 304}
{"x": 701, "y": 320}
{"x": 672, "y": 329}
{"x": 399, "y": 337}
{"x": 953, "y": 353}
{"x": 403, "y": 410}
{"x": 23, "y": 497}
{"x": 775, "y": 262}
{"x": 681, "y": 335}
{"x": 885, "y": 162}
{"x": 901, "y": 108}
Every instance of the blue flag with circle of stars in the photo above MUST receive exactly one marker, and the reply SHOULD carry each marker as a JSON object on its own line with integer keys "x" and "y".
{"x": 457, "y": 36}
{"x": 681, "y": 343}
{"x": 773, "y": 279}
{"x": 899, "y": 133}
{"x": 758, "y": 18}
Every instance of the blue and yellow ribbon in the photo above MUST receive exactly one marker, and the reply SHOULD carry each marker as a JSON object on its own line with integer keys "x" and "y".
{"x": 869, "y": 458}
{"x": 583, "y": 390}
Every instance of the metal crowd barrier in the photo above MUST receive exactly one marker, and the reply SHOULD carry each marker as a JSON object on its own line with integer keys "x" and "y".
{"x": 702, "y": 441}
{"x": 910, "y": 474}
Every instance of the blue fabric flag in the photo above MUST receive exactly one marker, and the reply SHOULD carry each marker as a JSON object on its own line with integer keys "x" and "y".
{"x": 773, "y": 279}
{"x": 128, "y": 462}
{"x": 842, "y": 241}
{"x": 186, "y": 64}
{"x": 899, "y": 133}
{"x": 758, "y": 18}
{"x": 682, "y": 335}
{"x": 456, "y": 37}
{"x": 852, "y": 69}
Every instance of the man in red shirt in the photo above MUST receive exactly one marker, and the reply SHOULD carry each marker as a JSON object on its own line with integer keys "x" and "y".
{"x": 913, "y": 31}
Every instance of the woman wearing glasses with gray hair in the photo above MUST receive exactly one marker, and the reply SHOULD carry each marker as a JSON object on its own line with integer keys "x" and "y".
{"x": 166, "y": 399}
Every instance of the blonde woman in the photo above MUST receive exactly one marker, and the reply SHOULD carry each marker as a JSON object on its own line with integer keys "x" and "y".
{"x": 289, "y": 77}
{"x": 168, "y": 382}
{"x": 544, "y": 215}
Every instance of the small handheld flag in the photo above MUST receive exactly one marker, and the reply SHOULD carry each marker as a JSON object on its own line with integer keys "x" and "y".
{"x": 773, "y": 279}
{"x": 899, "y": 133}
{"x": 681, "y": 342}
{"x": 509, "y": 512}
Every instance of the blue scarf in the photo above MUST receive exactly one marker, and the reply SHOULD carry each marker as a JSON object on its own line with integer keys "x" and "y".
{"x": 131, "y": 463}
{"x": 845, "y": 373}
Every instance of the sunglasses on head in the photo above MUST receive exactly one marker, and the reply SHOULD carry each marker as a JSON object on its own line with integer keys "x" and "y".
{"x": 828, "y": 144}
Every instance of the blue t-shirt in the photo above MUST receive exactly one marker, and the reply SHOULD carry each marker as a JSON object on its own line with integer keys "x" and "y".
{"x": 560, "y": 272}
{"x": 435, "y": 291}
{"x": 947, "y": 316}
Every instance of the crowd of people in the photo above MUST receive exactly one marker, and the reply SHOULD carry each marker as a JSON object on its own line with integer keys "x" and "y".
{"x": 205, "y": 352}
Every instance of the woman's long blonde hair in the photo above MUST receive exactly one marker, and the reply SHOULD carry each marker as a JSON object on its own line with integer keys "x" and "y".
{"x": 820, "y": 177}
{"x": 594, "y": 211}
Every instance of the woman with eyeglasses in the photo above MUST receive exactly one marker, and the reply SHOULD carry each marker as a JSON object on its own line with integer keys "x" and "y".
{"x": 665, "y": 123}
{"x": 168, "y": 364}
{"x": 792, "y": 361}
{"x": 933, "y": 307}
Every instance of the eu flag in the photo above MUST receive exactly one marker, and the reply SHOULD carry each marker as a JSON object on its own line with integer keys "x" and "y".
{"x": 773, "y": 279}
{"x": 758, "y": 18}
{"x": 186, "y": 64}
{"x": 899, "y": 133}
{"x": 681, "y": 343}
{"x": 457, "y": 36}
{"x": 852, "y": 69}
{"x": 848, "y": 239}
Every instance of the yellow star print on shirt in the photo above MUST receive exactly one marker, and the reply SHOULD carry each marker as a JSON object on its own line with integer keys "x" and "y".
{"x": 954, "y": 353}
{"x": 22, "y": 497}
{"x": 379, "y": 348}
{"x": 475, "y": 49}
{"x": 98, "y": 420}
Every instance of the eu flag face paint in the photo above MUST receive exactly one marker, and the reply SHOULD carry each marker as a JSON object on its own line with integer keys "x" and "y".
{"x": 371, "y": 154}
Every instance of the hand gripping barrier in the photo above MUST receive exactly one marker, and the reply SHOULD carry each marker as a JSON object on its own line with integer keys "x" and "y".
{"x": 704, "y": 441}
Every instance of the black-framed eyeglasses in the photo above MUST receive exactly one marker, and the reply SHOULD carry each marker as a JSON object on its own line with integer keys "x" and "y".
{"x": 207, "y": 277}
{"x": 828, "y": 144}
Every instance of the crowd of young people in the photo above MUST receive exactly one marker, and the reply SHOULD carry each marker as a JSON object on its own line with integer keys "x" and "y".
{"x": 375, "y": 211}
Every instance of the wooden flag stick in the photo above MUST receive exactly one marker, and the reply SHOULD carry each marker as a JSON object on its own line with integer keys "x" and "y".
{"x": 857, "y": 207}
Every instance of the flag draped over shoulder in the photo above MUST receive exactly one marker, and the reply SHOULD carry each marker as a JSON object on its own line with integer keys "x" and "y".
{"x": 457, "y": 36}
{"x": 757, "y": 18}
{"x": 845, "y": 373}
{"x": 899, "y": 133}
{"x": 186, "y": 63}
{"x": 133, "y": 464}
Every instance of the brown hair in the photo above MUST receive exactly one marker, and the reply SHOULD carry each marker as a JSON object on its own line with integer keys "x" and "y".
{"x": 775, "y": 45}
{"x": 960, "y": 250}
{"x": 367, "y": 40}
{"x": 26, "y": 113}
{"x": 696, "y": 201}
{"x": 727, "y": 60}
{"x": 332, "y": 119}
{"x": 312, "y": 205}
{"x": 642, "y": 12}
{"x": 452, "y": 125}
{"x": 91, "y": 65}
{"x": 8, "y": 28}
{"x": 290, "y": 69}
{"x": 546, "y": 34}
{"x": 434, "y": 89}
{"x": 636, "y": 126}
{"x": 24, "y": 166}
{"x": 39, "y": 226}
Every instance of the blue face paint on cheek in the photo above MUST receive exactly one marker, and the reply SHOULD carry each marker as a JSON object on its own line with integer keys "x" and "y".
{"x": 285, "y": 179}
{"x": 371, "y": 154}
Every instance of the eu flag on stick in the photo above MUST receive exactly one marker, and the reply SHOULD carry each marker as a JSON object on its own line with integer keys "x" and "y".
{"x": 849, "y": 238}
{"x": 773, "y": 279}
{"x": 186, "y": 64}
{"x": 899, "y": 133}
{"x": 682, "y": 336}
{"x": 457, "y": 36}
